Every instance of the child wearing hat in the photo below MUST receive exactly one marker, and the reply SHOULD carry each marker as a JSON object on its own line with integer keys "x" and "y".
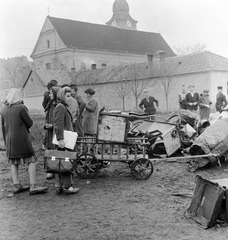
{"x": 205, "y": 105}
{"x": 221, "y": 101}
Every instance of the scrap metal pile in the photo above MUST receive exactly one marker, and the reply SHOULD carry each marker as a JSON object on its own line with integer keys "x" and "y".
{"x": 184, "y": 136}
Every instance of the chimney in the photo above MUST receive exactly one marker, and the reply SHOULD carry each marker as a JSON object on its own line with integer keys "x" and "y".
{"x": 161, "y": 56}
{"x": 150, "y": 60}
{"x": 94, "y": 66}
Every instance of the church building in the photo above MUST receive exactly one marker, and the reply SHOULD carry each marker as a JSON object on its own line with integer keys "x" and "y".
{"x": 65, "y": 44}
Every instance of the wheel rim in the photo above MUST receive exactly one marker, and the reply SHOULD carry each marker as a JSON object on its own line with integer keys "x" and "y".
{"x": 87, "y": 166}
{"x": 142, "y": 168}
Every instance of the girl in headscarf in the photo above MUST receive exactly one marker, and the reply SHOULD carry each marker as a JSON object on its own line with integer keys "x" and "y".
{"x": 63, "y": 121}
{"x": 15, "y": 128}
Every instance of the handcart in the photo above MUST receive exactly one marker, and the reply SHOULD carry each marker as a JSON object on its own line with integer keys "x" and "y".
{"x": 112, "y": 144}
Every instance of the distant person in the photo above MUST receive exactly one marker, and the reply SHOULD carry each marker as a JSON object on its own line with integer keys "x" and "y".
{"x": 91, "y": 114}
{"x": 221, "y": 101}
{"x": 81, "y": 105}
{"x": 45, "y": 103}
{"x": 182, "y": 97}
{"x": 16, "y": 123}
{"x": 63, "y": 121}
{"x": 192, "y": 99}
{"x": 74, "y": 109}
{"x": 46, "y": 98}
{"x": 148, "y": 103}
{"x": 205, "y": 105}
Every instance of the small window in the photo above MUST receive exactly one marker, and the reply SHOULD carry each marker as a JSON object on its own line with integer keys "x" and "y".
{"x": 103, "y": 65}
{"x": 48, "y": 44}
{"x": 48, "y": 66}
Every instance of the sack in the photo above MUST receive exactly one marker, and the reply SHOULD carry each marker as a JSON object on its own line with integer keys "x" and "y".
{"x": 70, "y": 139}
{"x": 59, "y": 161}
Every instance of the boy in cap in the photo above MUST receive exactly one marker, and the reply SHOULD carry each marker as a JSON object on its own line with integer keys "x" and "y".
{"x": 221, "y": 101}
{"x": 205, "y": 105}
{"x": 182, "y": 96}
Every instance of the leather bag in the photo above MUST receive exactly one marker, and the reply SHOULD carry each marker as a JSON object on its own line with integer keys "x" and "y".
{"x": 59, "y": 161}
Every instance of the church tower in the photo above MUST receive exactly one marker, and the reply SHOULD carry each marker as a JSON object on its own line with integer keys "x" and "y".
{"x": 121, "y": 17}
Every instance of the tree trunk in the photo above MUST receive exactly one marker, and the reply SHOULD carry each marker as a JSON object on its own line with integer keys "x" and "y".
{"x": 167, "y": 102}
{"x": 123, "y": 104}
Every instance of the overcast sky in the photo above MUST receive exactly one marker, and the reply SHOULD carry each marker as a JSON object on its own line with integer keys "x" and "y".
{"x": 180, "y": 22}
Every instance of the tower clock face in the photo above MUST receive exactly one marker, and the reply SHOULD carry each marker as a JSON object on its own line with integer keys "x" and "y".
{"x": 129, "y": 24}
{"x": 114, "y": 23}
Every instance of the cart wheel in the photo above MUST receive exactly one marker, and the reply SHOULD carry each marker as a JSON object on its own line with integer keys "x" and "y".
{"x": 87, "y": 166}
{"x": 142, "y": 168}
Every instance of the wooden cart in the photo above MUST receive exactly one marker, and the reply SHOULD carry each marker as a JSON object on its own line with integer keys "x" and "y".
{"x": 111, "y": 145}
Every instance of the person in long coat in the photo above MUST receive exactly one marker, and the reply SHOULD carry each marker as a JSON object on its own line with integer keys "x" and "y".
{"x": 50, "y": 121}
{"x": 81, "y": 104}
{"x": 63, "y": 121}
{"x": 16, "y": 123}
{"x": 91, "y": 114}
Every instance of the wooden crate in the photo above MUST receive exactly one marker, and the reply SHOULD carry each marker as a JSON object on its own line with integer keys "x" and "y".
{"x": 113, "y": 128}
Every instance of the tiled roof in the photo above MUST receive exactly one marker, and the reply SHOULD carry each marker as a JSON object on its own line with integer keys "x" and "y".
{"x": 186, "y": 64}
{"x": 84, "y": 35}
{"x": 59, "y": 75}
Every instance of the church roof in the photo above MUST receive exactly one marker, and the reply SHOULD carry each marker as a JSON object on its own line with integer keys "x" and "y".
{"x": 178, "y": 65}
{"x": 84, "y": 35}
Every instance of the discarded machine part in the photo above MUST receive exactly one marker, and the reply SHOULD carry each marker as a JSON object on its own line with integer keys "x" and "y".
{"x": 206, "y": 202}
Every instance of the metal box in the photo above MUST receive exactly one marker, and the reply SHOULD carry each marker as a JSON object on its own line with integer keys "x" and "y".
{"x": 169, "y": 137}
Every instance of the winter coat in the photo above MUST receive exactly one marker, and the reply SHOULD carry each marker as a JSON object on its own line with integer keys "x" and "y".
{"x": 91, "y": 115}
{"x": 62, "y": 116}
{"x": 15, "y": 127}
{"x": 149, "y": 105}
{"x": 221, "y": 102}
{"x": 50, "y": 118}
{"x": 192, "y": 99}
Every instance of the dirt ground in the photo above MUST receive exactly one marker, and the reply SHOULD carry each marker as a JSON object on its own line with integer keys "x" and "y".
{"x": 113, "y": 206}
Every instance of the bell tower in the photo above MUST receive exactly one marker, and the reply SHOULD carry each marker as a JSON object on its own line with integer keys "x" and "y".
{"x": 121, "y": 17}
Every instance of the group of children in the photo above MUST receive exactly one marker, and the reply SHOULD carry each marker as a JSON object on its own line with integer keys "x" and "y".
{"x": 193, "y": 101}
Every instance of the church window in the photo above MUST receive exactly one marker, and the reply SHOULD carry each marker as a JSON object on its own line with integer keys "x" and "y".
{"x": 48, "y": 66}
{"x": 48, "y": 44}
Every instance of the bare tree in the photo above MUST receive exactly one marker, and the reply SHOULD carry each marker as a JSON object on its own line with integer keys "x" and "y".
{"x": 13, "y": 66}
{"x": 138, "y": 81}
{"x": 122, "y": 88}
{"x": 166, "y": 81}
{"x": 195, "y": 48}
